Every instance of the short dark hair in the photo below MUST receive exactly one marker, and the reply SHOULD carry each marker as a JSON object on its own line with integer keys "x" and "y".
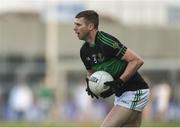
{"x": 89, "y": 15}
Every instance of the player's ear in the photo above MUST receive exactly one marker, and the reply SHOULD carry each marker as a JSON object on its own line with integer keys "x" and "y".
{"x": 90, "y": 26}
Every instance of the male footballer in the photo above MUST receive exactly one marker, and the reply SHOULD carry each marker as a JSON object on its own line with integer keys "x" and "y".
{"x": 102, "y": 51}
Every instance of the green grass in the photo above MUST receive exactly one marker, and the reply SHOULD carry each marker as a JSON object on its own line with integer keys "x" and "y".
{"x": 84, "y": 124}
{"x": 49, "y": 124}
{"x": 161, "y": 124}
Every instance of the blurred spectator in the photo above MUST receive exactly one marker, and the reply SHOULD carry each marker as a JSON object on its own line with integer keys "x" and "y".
{"x": 44, "y": 99}
{"x": 20, "y": 99}
{"x": 174, "y": 111}
{"x": 83, "y": 102}
{"x": 161, "y": 98}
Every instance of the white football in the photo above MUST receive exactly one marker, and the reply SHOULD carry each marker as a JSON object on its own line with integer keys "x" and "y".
{"x": 97, "y": 80}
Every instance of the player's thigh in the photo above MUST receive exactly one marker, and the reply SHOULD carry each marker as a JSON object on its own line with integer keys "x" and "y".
{"x": 118, "y": 116}
{"x": 134, "y": 120}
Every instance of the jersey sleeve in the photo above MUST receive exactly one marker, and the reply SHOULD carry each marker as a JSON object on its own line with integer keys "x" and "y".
{"x": 112, "y": 46}
{"x": 84, "y": 59}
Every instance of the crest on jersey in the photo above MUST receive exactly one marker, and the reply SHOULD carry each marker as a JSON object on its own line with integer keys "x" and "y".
{"x": 115, "y": 45}
{"x": 100, "y": 57}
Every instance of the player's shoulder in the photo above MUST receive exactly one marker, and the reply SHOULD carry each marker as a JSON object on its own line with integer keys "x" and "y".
{"x": 102, "y": 33}
{"x": 107, "y": 40}
{"x": 105, "y": 35}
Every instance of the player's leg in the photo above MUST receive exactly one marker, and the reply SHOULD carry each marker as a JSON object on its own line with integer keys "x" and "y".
{"x": 117, "y": 117}
{"x": 134, "y": 120}
{"x": 127, "y": 109}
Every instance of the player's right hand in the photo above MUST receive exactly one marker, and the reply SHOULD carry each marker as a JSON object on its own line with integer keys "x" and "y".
{"x": 89, "y": 92}
{"x": 107, "y": 93}
{"x": 116, "y": 86}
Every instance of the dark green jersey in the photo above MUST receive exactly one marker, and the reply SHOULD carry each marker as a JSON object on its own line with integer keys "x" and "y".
{"x": 106, "y": 54}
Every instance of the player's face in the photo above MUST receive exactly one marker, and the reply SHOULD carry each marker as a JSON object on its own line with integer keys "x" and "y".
{"x": 81, "y": 28}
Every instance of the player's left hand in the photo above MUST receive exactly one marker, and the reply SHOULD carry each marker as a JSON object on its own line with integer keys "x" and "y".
{"x": 89, "y": 92}
{"x": 116, "y": 86}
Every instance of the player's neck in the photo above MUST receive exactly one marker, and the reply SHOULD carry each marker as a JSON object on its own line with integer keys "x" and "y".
{"x": 92, "y": 37}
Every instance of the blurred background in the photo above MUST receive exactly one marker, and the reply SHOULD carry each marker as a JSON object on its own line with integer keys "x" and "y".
{"x": 41, "y": 74}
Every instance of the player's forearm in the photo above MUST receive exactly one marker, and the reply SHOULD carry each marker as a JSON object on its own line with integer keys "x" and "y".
{"x": 131, "y": 69}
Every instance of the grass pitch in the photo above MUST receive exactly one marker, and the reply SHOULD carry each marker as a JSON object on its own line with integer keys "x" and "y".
{"x": 84, "y": 124}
